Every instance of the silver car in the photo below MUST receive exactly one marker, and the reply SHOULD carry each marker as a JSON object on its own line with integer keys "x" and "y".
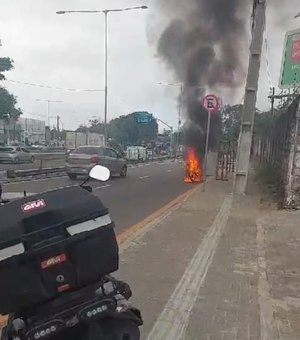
{"x": 15, "y": 154}
{"x": 81, "y": 160}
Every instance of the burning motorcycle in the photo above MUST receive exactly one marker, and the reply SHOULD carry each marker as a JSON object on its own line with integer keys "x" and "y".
{"x": 193, "y": 167}
{"x": 57, "y": 251}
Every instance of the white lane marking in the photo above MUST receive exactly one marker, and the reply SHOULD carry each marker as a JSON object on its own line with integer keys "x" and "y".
{"x": 102, "y": 187}
{"x": 169, "y": 170}
{"x": 173, "y": 320}
{"x": 264, "y": 299}
{"x": 35, "y": 180}
{"x": 144, "y": 177}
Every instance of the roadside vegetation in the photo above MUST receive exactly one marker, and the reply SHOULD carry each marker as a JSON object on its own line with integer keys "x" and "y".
{"x": 8, "y": 101}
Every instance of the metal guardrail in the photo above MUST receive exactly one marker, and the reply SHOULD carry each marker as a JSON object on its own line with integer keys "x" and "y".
{"x": 34, "y": 172}
{"x": 151, "y": 158}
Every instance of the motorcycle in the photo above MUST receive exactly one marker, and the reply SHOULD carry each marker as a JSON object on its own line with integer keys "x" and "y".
{"x": 68, "y": 296}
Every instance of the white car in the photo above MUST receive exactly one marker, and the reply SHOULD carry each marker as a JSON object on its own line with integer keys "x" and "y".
{"x": 15, "y": 154}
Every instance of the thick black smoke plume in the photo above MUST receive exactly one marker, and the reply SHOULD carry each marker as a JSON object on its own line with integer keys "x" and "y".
{"x": 203, "y": 44}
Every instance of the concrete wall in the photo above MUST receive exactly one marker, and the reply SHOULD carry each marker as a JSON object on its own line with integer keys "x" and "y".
{"x": 2, "y": 136}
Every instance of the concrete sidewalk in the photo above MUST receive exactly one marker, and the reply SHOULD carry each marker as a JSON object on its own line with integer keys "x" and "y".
{"x": 218, "y": 267}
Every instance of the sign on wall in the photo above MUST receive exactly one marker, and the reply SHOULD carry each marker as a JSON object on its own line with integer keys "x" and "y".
{"x": 290, "y": 69}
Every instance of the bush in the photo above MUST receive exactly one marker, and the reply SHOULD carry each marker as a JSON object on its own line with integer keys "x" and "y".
{"x": 267, "y": 175}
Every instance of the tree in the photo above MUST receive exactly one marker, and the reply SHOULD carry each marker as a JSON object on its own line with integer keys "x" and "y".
{"x": 97, "y": 127}
{"x": 82, "y": 128}
{"x": 8, "y": 105}
{"x": 6, "y": 64}
{"x": 264, "y": 122}
{"x": 231, "y": 121}
{"x": 8, "y": 101}
{"x": 126, "y": 131}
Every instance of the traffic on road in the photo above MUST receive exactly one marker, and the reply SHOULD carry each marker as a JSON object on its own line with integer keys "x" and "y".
{"x": 16, "y": 155}
{"x": 147, "y": 188}
{"x": 149, "y": 170}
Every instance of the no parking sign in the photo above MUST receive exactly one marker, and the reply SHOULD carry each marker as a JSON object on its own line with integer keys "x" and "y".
{"x": 212, "y": 104}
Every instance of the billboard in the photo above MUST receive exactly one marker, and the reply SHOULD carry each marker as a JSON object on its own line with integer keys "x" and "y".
{"x": 290, "y": 69}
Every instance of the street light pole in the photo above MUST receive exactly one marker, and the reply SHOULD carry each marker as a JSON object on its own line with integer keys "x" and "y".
{"x": 105, "y": 12}
{"x": 48, "y": 111}
{"x": 48, "y": 106}
{"x": 179, "y": 112}
{"x": 106, "y": 77}
{"x": 179, "y": 101}
{"x": 179, "y": 116}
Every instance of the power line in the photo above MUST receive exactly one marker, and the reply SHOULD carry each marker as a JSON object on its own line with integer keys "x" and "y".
{"x": 33, "y": 113}
{"x": 52, "y": 87}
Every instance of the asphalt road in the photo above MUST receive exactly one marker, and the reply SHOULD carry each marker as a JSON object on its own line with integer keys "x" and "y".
{"x": 147, "y": 188}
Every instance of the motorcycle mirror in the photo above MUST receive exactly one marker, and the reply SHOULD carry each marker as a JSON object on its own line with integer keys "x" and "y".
{"x": 99, "y": 173}
{"x": 87, "y": 188}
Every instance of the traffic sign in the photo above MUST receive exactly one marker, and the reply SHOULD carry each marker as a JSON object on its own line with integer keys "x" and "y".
{"x": 211, "y": 103}
{"x": 143, "y": 118}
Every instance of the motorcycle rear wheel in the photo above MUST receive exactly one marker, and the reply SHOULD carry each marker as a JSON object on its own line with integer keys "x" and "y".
{"x": 114, "y": 329}
{"x": 107, "y": 329}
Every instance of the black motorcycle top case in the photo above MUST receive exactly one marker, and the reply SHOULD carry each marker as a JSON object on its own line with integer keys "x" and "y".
{"x": 51, "y": 243}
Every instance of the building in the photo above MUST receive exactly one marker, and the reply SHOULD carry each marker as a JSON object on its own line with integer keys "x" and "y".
{"x": 33, "y": 130}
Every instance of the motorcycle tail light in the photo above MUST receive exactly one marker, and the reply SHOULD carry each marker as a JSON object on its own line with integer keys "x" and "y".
{"x": 94, "y": 159}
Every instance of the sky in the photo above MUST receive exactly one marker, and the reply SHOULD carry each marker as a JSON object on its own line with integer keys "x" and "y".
{"x": 67, "y": 51}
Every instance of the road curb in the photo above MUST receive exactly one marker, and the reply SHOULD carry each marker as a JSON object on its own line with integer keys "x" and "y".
{"x": 3, "y": 176}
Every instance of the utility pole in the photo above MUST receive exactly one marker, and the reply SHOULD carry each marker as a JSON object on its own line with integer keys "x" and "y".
{"x": 245, "y": 141}
{"x": 57, "y": 124}
{"x": 179, "y": 118}
{"x": 272, "y": 101}
{"x": 57, "y": 130}
{"x": 106, "y": 76}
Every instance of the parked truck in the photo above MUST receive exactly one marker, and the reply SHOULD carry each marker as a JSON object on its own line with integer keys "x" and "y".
{"x": 136, "y": 154}
{"x": 77, "y": 139}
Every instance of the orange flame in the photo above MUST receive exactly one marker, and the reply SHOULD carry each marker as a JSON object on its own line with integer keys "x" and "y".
{"x": 193, "y": 168}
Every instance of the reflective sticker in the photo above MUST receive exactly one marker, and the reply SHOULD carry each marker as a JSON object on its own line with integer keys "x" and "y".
{"x": 34, "y": 205}
{"x": 53, "y": 261}
{"x": 89, "y": 225}
{"x": 63, "y": 288}
{"x": 11, "y": 251}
